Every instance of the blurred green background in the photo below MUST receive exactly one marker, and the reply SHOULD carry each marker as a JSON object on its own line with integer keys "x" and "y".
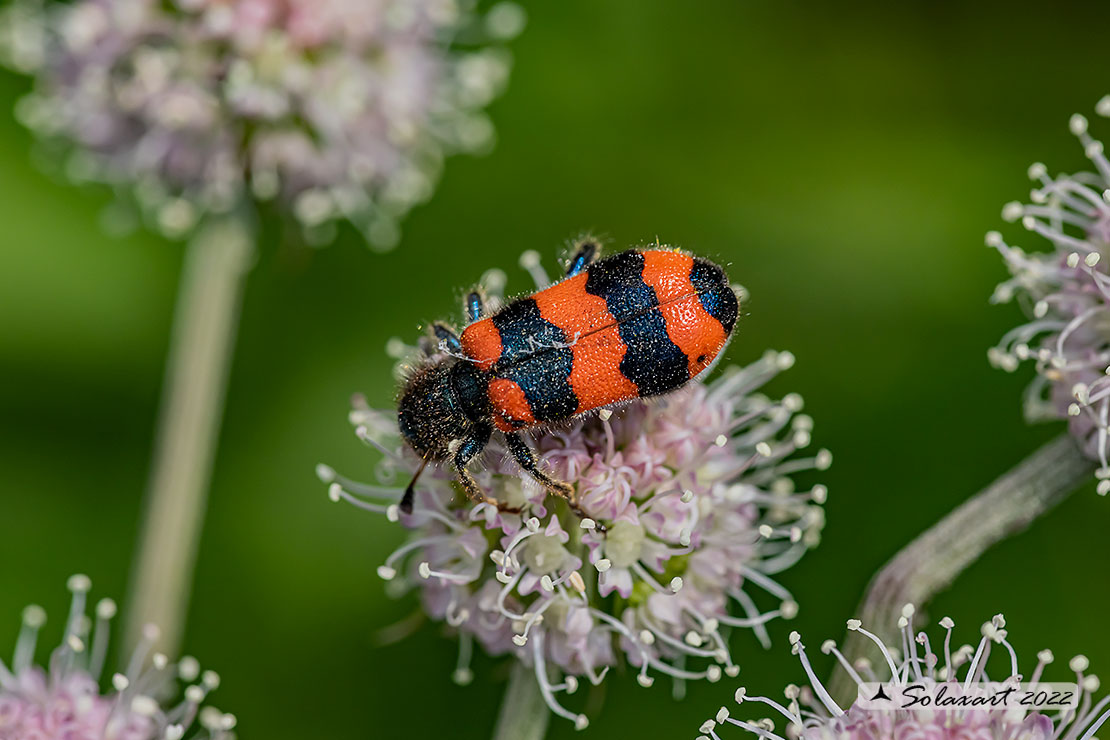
{"x": 845, "y": 161}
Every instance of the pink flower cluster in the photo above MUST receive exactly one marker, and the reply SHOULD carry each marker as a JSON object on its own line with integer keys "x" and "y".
{"x": 812, "y": 714}
{"x": 64, "y": 700}
{"x": 1065, "y": 292}
{"x": 341, "y": 109}
{"x": 692, "y": 512}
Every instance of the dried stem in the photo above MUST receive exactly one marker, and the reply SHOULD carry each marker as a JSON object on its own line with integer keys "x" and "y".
{"x": 523, "y": 714}
{"x": 932, "y": 561}
{"x": 205, "y": 321}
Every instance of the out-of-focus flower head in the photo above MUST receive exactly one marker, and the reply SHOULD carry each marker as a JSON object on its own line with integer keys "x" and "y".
{"x": 811, "y": 713}
{"x": 1065, "y": 292}
{"x": 691, "y": 514}
{"x": 340, "y": 109}
{"x": 64, "y": 699}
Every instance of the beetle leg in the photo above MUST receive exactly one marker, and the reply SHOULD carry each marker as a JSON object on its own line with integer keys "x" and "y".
{"x": 448, "y": 339}
{"x": 474, "y": 491}
{"x": 526, "y": 458}
{"x": 585, "y": 251}
{"x": 466, "y": 452}
{"x": 475, "y": 305}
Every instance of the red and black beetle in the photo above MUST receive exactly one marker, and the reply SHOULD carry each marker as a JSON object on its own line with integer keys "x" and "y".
{"x": 636, "y": 324}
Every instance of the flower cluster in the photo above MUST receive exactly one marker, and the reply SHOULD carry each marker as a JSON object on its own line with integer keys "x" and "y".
{"x": 688, "y": 512}
{"x": 64, "y": 700}
{"x": 812, "y": 714}
{"x": 342, "y": 109}
{"x": 1066, "y": 294}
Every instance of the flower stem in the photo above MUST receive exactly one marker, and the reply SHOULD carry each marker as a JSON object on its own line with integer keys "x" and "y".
{"x": 206, "y": 316}
{"x": 523, "y": 715}
{"x": 932, "y": 561}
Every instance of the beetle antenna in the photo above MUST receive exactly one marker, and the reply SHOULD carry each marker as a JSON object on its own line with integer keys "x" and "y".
{"x": 406, "y": 500}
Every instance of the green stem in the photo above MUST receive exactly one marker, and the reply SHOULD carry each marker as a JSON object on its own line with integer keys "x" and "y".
{"x": 523, "y": 714}
{"x": 206, "y": 317}
{"x": 931, "y": 562}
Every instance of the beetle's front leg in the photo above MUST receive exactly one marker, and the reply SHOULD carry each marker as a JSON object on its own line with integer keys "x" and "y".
{"x": 526, "y": 458}
{"x": 447, "y": 339}
{"x": 467, "y": 450}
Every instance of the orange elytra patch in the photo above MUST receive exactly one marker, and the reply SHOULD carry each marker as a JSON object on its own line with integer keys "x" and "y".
{"x": 689, "y": 325}
{"x": 596, "y": 346}
{"x": 481, "y": 342}
{"x": 596, "y": 376}
{"x": 509, "y": 405}
{"x": 669, "y": 273}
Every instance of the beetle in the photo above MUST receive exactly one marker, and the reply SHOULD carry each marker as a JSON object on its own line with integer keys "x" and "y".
{"x": 635, "y": 324}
